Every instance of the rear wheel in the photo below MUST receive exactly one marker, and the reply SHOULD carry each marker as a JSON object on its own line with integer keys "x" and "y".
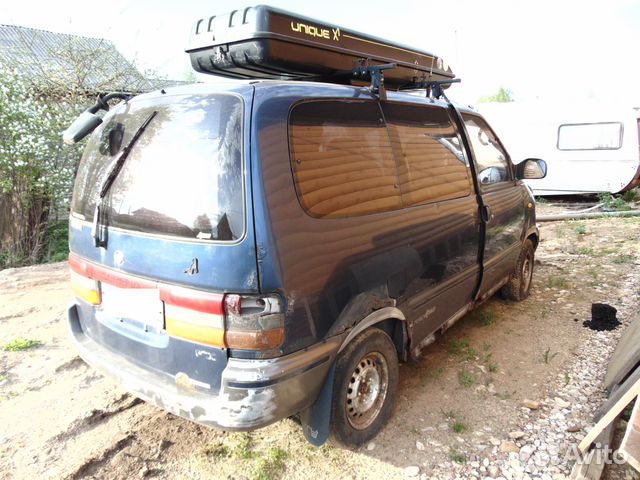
{"x": 364, "y": 388}
{"x": 519, "y": 285}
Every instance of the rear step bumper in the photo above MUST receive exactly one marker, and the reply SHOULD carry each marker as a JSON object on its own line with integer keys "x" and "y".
{"x": 253, "y": 393}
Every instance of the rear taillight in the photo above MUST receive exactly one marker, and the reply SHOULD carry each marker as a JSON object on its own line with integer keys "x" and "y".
{"x": 253, "y": 323}
{"x": 244, "y": 322}
{"x": 229, "y": 321}
{"x": 193, "y": 315}
{"x": 86, "y": 288}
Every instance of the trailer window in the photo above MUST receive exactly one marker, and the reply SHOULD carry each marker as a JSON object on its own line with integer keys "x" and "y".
{"x": 432, "y": 166}
{"x": 590, "y": 136}
{"x": 342, "y": 159}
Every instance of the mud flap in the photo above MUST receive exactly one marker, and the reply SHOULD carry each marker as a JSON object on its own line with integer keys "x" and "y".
{"x": 316, "y": 420}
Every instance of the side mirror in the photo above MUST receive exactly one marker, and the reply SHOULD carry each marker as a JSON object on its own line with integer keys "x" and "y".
{"x": 531, "y": 168}
{"x": 82, "y": 126}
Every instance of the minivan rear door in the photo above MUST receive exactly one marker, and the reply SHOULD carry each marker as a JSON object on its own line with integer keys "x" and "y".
{"x": 176, "y": 229}
{"x": 178, "y": 210}
{"x": 502, "y": 209}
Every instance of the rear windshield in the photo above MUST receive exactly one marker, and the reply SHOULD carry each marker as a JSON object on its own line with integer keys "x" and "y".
{"x": 183, "y": 176}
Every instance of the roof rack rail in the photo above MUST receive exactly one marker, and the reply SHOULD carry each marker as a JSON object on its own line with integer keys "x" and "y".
{"x": 375, "y": 72}
{"x": 435, "y": 88}
{"x": 263, "y": 42}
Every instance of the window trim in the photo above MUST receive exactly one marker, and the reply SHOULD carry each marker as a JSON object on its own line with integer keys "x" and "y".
{"x": 620, "y": 136}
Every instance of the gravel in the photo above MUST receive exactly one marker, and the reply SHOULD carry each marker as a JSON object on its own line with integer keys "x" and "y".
{"x": 544, "y": 443}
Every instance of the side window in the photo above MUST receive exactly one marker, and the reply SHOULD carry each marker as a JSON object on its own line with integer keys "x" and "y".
{"x": 590, "y": 136}
{"x": 343, "y": 163}
{"x": 432, "y": 165}
{"x": 491, "y": 159}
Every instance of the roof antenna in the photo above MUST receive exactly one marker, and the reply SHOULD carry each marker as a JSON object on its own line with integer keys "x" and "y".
{"x": 377, "y": 77}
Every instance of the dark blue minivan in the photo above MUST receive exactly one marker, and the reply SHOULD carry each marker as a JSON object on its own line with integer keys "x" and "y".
{"x": 248, "y": 251}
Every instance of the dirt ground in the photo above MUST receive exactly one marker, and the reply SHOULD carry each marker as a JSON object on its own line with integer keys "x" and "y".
{"x": 61, "y": 419}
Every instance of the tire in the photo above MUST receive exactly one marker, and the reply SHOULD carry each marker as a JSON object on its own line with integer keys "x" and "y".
{"x": 364, "y": 388}
{"x": 519, "y": 284}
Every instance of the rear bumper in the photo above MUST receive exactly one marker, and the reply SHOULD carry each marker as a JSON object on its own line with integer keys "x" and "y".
{"x": 253, "y": 393}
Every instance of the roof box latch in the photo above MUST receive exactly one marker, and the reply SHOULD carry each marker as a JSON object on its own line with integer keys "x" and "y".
{"x": 377, "y": 77}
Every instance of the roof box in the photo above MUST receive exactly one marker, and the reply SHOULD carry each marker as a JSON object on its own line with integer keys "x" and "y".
{"x": 264, "y": 42}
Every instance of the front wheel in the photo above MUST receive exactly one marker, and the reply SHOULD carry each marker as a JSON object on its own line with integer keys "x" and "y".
{"x": 364, "y": 388}
{"x": 519, "y": 285}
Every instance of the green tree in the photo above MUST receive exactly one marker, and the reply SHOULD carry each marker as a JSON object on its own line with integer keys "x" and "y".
{"x": 36, "y": 170}
{"x": 40, "y": 95}
{"x": 504, "y": 95}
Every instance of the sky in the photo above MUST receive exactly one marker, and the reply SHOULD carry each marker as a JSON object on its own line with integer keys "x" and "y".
{"x": 560, "y": 51}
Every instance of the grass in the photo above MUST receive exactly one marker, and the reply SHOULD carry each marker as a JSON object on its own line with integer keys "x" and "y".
{"x": 630, "y": 196}
{"x": 449, "y": 414}
{"x": 505, "y": 395}
{"x": 560, "y": 232}
{"x": 486, "y": 318}
{"x": 242, "y": 448}
{"x": 620, "y": 259}
{"x": 462, "y": 349}
{"x": 567, "y": 378}
{"x": 458, "y": 346}
{"x": 593, "y": 272}
{"x": 457, "y": 457}
{"x": 606, "y": 251}
{"x": 558, "y": 282}
{"x": 585, "y": 251}
{"x": 491, "y": 365}
{"x": 614, "y": 203}
{"x": 216, "y": 450}
{"x": 547, "y": 356}
{"x": 580, "y": 229}
{"x": 20, "y": 344}
{"x": 270, "y": 466}
{"x": 458, "y": 427}
{"x": 466, "y": 378}
{"x": 470, "y": 354}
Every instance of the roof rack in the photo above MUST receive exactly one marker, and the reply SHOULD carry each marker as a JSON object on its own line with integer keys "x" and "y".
{"x": 267, "y": 43}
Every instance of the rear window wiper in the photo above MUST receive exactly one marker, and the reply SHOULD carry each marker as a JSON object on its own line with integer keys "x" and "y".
{"x": 112, "y": 174}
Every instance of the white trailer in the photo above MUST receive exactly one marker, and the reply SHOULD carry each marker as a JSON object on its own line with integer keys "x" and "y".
{"x": 589, "y": 148}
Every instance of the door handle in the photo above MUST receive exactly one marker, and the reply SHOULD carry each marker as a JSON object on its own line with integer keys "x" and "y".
{"x": 486, "y": 213}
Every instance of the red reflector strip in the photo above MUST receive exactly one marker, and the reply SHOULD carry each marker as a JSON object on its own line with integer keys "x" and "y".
{"x": 179, "y": 296}
{"x": 193, "y": 299}
{"x": 117, "y": 279}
